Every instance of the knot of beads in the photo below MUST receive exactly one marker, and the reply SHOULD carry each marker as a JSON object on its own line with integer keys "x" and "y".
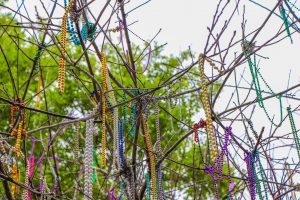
{"x": 200, "y": 124}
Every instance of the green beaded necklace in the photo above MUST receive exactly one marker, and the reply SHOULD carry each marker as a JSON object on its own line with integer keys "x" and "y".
{"x": 255, "y": 77}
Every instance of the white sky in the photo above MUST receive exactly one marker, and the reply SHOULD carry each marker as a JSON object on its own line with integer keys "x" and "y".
{"x": 184, "y": 24}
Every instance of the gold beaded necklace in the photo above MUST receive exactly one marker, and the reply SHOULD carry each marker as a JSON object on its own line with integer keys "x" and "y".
{"x": 207, "y": 109}
{"x": 63, "y": 40}
{"x": 104, "y": 85}
{"x": 151, "y": 157}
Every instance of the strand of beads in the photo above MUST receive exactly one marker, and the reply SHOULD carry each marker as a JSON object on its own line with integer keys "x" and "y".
{"x": 115, "y": 119}
{"x": 31, "y": 163}
{"x": 15, "y": 175}
{"x": 257, "y": 183}
{"x": 151, "y": 157}
{"x": 25, "y": 191}
{"x": 250, "y": 177}
{"x": 294, "y": 130}
{"x": 124, "y": 110}
{"x": 159, "y": 151}
{"x": 261, "y": 171}
{"x": 18, "y": 141}
{"x": 104, "y": 89}
{"x": 76, "y": 141}
{"x": 3, "y": 155}
{"x": 248, "y": 48}
{"x": 63, "y": 40}
{"x": 207, "y": 109}
{"x": 217, "y": 167}
{"x": 148, "y": 190}
{"x": 38, "y": 97}
{"x": 285, "y": 21}
{"x": 121, "y": 145}
{"x": 112, "y": 194}
{"x": 88, "y": 187}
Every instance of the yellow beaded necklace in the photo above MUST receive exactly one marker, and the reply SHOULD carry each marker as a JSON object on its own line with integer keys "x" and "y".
{"x": 207, "y": 109}
{"x": 104, "y": 85}
{"x": 151, "y": 157}
{"x": 14, "y": 174}
{"x": 63, "y": 39}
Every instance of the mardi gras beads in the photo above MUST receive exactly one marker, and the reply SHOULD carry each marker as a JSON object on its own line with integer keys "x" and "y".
{"x": 207, "y": 109}
{"x": 261, "y": 171}
{"x": 104, "y": 89}
{"x": 31, "y": 164}
{"x": 216, "y": 169}
{"x": 285, "y": 21}
{"x": 121, "y": 145}
{"x": 18, "y": 141}
{"x": 248, "y": 49}
{"x": 148, "y": 190}
{"x": 115, "y": 121}
{"x": 63, "y": 40}
{"x": 151, "y": 157}
{"x": 25, "y": 191}
{"x": 250, "y": 177}
{"x": 159, "y": 151}
{"x": 88, "y": 161}
{"x": 257, "y": 183}
{"x": 294, "y": 130}
{"x": 76, "y": 141}
{"x": 15, "y": 175}
{"x": 111, "y": 194}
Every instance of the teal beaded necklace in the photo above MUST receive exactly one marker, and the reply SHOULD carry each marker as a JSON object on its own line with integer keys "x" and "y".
{"x": 294, "y": 130}
{"x": 255, "y": 77}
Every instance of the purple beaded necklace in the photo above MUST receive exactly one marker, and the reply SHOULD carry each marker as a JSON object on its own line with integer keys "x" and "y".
{"x": 217, "y": 166}
{"x": 251, "y": 177}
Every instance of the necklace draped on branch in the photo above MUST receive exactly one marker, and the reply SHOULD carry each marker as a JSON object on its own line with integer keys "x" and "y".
{"x": 151, "y": 156}
{"x": 255, "y": 73}
{"x": 250, "y": 176}
{"x": 63, "y": 40}
{"x": 216, "y": 169}
{"x": 91, "y": 130}
{"x": 285, "y": 21}
{"x": 159, "y": 152}
{"x": 104, "y": 89}
{"x": 294, "y": 131}
{"x": 15, "y": 175}
{"x": 207, "y": 109}
{"x": 19, "y": 132}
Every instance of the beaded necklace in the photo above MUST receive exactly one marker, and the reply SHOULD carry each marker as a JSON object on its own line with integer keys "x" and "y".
{"x": 159, "y": 151}
{"x": 250, "y": 177}
{"x": 148, "y": 190}
{"x": 38, "y": 97}
{"x": 255, "y": 73}
{"x": 257, "y": 183}
{"x": 111, "y": 194}
{"x": 294, "y": 130}
{"x": 31, "y": 164}
{"x": 15, "y": 175}
{"x": 88, "y": 161}
{"x": 261, "y": 170}
{"x": 115, "y": 121}
{"x": 216, "y": 169}
{"x": 151, "y": 157}
{"x": 76, "y": 141}
{"x": 104, "y": 89}
{"x": 63, "y": 40}
{"x": 121, "y": 145}
{"x": 207, "y": 109}
{"x": 26, "y": 183}
{"x": 285, "y": 21}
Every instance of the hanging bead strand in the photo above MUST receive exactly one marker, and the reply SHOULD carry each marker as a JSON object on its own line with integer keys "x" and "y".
{"x": 159, "y": 151}
{"x": 104, "y": 89}
{"x": 63, "y": 40}
{"x": 294, "y": 130}
{"x": 151, "y": 157}
{"x": 207, "y": 109}
{"x": 250, "y": 177}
